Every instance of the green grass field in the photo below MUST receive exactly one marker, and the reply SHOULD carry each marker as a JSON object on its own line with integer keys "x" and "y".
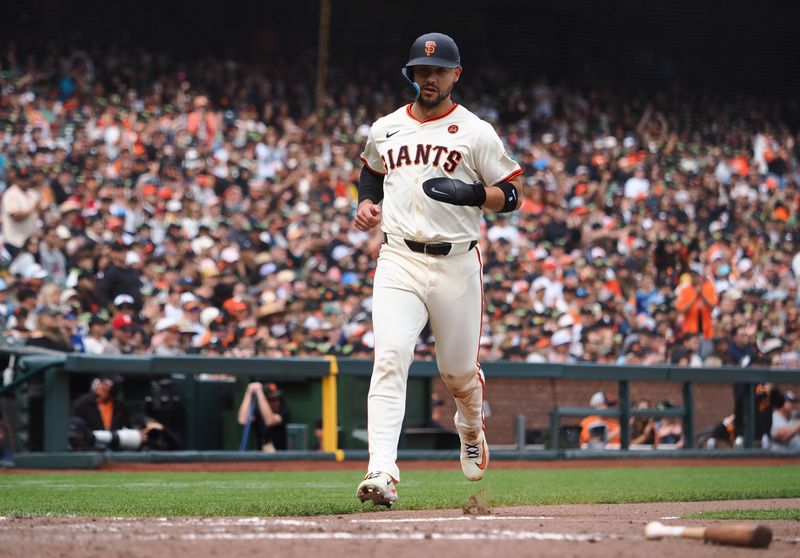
{"x": 317, "y": 493}
{"x": 750, "y": 515}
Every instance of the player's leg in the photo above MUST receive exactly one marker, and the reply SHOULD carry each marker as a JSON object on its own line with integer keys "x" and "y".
{"x": 398, "y": 316}
{"x": 456, "y": 309}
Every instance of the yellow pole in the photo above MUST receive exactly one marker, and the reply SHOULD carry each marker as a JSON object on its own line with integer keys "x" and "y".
{"x": 330, "y": 425}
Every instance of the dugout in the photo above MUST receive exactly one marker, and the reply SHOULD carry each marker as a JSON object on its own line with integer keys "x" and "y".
{"x": 209, "y": 390}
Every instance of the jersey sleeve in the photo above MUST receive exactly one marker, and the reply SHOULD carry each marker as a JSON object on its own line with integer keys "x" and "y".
{"x": 491, "y": 160}
{"x": 371, "y": 157}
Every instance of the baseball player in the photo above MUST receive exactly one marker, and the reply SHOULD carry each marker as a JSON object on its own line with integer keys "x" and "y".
{"x": 430, "y": 168}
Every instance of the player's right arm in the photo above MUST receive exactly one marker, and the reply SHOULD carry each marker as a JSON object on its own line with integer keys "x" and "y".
{"x": 370, "y": 187}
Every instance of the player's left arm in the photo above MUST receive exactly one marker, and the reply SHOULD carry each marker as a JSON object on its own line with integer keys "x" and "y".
{"x": 505, "y": 196}
{"x": 501, "y": 189}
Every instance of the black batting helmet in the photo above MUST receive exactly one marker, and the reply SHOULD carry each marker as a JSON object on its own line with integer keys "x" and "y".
{"x": 431, "y": 49}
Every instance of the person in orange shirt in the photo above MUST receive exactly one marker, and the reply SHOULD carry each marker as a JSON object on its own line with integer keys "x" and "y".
{"x": 696, "y": 297}
{"x": 100, "y": 409}
{"x": 202, "y": 122}
{"x": 597, "y": 429}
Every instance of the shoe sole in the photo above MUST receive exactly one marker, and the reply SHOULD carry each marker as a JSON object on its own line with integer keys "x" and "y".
{"x": 372, "y": 494}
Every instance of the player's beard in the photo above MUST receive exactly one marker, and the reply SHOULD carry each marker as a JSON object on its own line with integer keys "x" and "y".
{"x": 436, "y": 101}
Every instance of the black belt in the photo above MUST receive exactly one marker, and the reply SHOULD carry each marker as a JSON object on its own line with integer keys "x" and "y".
{"x": 433, "y": 248}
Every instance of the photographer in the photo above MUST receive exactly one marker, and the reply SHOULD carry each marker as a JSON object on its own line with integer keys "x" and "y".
{"x": 264, "y": 404}
{"x": 100, "y": 409}
{"x": 157, "y": 437}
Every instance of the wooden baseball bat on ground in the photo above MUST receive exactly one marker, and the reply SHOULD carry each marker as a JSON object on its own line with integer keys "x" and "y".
{"x": 735, "y": 534}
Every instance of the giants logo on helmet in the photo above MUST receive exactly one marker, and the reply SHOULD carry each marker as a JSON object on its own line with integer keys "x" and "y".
{"x": 430, "y": 47}
{"x": 423, "y": 155}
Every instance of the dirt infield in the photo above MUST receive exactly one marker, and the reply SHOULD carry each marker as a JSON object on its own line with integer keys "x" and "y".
{"x": 575, "y": 530}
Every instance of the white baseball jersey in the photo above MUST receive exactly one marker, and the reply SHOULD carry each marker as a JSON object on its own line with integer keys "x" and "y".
{"x": 408, "y": 151}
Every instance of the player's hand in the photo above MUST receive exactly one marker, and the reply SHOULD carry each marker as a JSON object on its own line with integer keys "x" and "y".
{"x": 368, "y": 215}
{"x": 254, "y": 387}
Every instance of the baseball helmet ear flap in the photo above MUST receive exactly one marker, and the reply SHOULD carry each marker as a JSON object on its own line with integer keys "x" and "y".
{"x": 408, "y": 72}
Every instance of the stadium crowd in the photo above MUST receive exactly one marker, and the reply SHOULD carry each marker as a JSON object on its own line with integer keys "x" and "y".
{"x": 156, "y": 206}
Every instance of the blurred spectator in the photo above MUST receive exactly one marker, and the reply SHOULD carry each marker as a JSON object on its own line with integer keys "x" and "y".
{"x": 722, "y": 434}
{"x": 598, "y": 431}
{"x": 50, "y": 332}
{"x": 158, "y": 184}
{"x": 263, "y": 404}
{"x": 157, "y": 437}
{"x": 740, "y": 345}
{"x": 766, "y": 395}
{"x": 785, "y": 431}
{"x": 21, "y": 206}
{"x": 642, "y": 428}
{"x": 100, "y": 409}
{"x": 696, "y": 298}
{"x": 669, "y": 430}
{"x": 51, "y": 257}
{"x": 123, "y": 341}
{"x": 95, "y": 342}
{"x": 120, "y": 277}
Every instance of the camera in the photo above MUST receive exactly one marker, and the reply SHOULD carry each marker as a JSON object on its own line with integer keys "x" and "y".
{"x": 118, "y": 440}
{"x": 81, "y": 438}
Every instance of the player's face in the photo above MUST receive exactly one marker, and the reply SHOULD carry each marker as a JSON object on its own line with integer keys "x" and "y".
{"x": 435, "y": 84}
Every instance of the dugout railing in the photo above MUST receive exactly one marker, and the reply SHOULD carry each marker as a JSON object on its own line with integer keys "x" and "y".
{"x": 339, "y": 390}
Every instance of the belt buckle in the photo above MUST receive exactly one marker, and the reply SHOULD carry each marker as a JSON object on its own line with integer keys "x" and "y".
{"x": 425, "y": 249}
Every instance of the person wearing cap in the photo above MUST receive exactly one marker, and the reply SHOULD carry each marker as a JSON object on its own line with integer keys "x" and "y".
{"x": 75, "y": 330}
{"x": 95, "y": 342}
{"x": 190, "y": 313}
{"x": 119, "y": 277}
{"x": 124, "y": 304}
{"x": 23, "y": 315}
{"x": 51, "y": 253}
{"x": 16, "y": 329}
{"x": 167, "y": 339}
{"x": 264, "y": 405}
{"x": 87, "y": 293}
{"x": 431, "y": 170}
{"x": 597, "y": 431}
{"x": 785, "y": 431}
{"x": 560, "y": 344}
{"x": 122, "y": 339}
{"x": 100, "y": 408}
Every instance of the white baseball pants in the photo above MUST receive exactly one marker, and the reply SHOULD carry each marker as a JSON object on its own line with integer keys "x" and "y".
{"x": 409, "y": 289}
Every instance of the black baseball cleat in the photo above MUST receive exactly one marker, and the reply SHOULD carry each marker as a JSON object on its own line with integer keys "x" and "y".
{"x": 378, "y": 488}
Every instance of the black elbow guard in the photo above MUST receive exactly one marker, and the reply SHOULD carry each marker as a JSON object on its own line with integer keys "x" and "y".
{"x": 510, "y": 196}
{"x": 370, "y": 186}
